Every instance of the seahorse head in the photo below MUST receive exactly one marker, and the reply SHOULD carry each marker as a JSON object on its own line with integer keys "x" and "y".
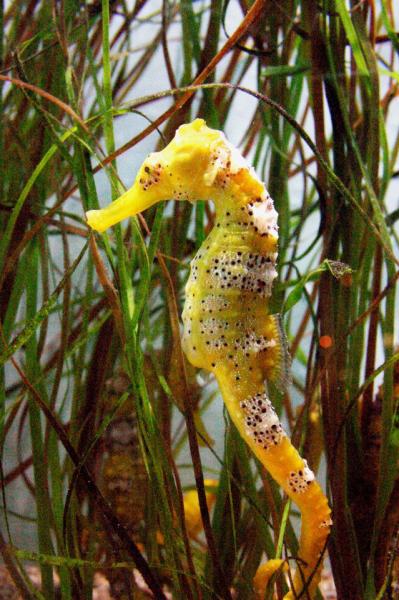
{"x": 198, "y": 163}
{"x": 184, "y": 169}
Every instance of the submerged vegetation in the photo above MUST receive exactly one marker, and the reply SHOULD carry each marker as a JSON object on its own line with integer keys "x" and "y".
{"x": 106, "y": 430}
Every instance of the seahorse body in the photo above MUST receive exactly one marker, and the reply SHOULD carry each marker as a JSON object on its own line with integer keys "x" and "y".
{"x": 227, "y": 327}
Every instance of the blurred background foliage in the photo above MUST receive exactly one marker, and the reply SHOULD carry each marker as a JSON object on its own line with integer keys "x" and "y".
{"x": 104, "y": 426}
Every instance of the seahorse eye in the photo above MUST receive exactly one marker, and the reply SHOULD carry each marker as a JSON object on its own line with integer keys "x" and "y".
{"x": 189, "y": 160}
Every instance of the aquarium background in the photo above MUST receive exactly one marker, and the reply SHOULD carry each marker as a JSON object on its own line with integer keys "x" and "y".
{"x": 90, "y": 325}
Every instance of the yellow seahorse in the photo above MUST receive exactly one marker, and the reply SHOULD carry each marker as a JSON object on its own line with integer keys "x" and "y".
{"x": 227, "y": 327}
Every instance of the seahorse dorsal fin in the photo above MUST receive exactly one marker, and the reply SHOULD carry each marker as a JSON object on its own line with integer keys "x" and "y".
{"x": 281, "y": 374}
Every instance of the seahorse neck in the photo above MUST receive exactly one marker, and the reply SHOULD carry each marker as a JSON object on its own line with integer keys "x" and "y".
{"x": 247, "y": 215}
{"x": 231, "y": 203}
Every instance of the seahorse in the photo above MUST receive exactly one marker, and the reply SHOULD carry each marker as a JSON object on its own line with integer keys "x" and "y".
{"x": 227, "y": 328}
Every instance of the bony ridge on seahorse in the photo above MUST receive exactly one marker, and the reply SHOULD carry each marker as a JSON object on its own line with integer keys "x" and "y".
{"x": 227, "y": 327}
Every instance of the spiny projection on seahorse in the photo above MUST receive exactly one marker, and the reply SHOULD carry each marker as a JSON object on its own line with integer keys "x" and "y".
{"x": 227, "y": 326}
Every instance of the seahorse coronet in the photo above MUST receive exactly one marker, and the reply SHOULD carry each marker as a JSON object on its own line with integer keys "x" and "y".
{"x": 227, "y": 328}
